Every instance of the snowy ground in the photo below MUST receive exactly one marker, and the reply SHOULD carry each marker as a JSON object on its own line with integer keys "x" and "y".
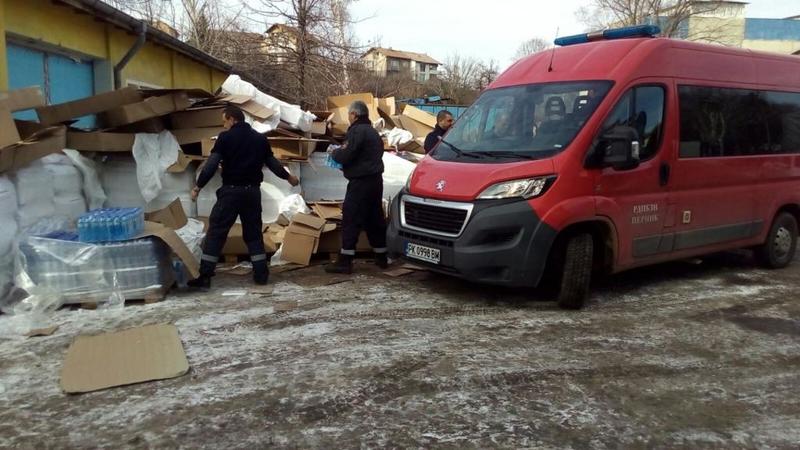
{"x": 678, "y": 355}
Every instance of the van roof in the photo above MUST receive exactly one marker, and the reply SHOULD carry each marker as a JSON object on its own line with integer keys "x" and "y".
{"x": 627, "y": 59}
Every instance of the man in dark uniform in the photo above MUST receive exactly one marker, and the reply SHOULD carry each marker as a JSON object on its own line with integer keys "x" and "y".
{"x": 361, "y": 158}
{"x": 242, "y": 152}
{"x": 444, "y": 120}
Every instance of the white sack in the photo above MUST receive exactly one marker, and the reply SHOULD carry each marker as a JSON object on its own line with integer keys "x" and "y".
{"x": 399, "y": 136}
{"x": 120, "y": 183}
{"x": 192, "y": 235}
{"x": 292, "y": 205}
{"x": 69, "y": 206}
{"x": 8, "y": 232}
{"x": 31, "y": 213}
{"x": 33, "y": 184}
{"x": 321, "y": 182}
{"x": 65, "y": 178}
{"x": 92, "y": 188}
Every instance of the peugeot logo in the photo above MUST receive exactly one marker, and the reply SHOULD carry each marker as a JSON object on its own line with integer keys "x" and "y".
{"x": 440, "y": 185}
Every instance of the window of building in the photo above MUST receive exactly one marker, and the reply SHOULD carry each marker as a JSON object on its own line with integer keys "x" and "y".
{"x": 641, "y": 108}
{"x": 737, "y": 122}
{"x": 394, "y": 64}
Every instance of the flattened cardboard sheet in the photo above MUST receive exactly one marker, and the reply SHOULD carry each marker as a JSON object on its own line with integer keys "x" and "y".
{"x": 22, "y": 99}
{"x": 135, "y": 355}
{"x": 89, "y": 105}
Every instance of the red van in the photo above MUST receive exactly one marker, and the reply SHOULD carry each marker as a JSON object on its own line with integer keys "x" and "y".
{"x": 607, "y": 155}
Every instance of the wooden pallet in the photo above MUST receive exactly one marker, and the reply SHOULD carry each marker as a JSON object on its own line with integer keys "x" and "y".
{"x": 151, "y": 297}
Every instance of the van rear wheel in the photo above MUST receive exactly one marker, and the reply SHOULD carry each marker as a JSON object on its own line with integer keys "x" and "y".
{"x": 778, "y": 251}
{"x": 577, "y": 272}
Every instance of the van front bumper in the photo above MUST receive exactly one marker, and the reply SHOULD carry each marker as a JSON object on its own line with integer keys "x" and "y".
{"x": 503, "y": 243}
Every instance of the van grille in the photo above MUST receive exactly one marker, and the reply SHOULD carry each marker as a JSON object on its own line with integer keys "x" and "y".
{"x": 435, "y": 218}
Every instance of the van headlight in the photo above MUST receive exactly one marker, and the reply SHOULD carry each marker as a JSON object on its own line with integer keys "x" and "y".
{"x": 525, "y": 188}
{"x": 408, "y": 180}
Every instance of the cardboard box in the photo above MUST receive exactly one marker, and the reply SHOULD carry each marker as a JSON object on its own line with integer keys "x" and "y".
{"x": 39, "y": 144}
{"x": 418, "y": 129}
{"x": 135, "y": 355}
{"x": 292, "y": 148}
{"x": 194, "y": 135}
{"x": 250, "y": 106}
{"x": 91, "y": 105}
{"x": 183, "y": 162}
{"x": 387, "y": 106}
{"x": 152, "y": 125}
{"x": 420, "y": 116}
{"x": 98, "y": 141}
{"x": 150, "y": 107}
{"x": 175, "y": 243}
{"x": 23, "y": 99}
{"x": 302, "y": 238}
{"x": 172, "y": 216}
{"x": 328, "y": 210}
{"x": 319, "y": 128}
{"x": 210, "y": 116}
{"x": 8, "y": 129}
{"x": 339, "y": 107}
{"x": 234, "y": 243}
{"x": 331, "y": 242}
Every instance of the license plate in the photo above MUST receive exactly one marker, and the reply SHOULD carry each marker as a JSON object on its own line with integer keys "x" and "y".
{"x": 431, "y": 255}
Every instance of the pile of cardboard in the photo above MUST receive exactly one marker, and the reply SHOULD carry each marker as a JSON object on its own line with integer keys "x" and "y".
{"x": 310, "y": 234}
{"x": 24, "y": 142}
{"x": 394, "y": 115}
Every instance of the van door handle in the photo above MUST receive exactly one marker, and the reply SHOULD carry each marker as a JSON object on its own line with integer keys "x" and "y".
{"x": 663, "y": 174}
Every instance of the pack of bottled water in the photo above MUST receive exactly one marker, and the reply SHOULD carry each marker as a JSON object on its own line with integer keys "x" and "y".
{"x": 330, "y": 162}
{"x": 110, "y": 224}
{"x": 81, "y": 272}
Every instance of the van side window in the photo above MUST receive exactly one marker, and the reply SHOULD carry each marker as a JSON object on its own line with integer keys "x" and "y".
{"x": 737, "y": 122}
{"x": 641, "y": 108}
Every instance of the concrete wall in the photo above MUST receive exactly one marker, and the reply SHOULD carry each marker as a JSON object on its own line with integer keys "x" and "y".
{"x": 46, "y": 25}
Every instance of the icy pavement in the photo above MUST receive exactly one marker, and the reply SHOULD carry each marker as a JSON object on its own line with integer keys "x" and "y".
{"x": 678, "y": 355}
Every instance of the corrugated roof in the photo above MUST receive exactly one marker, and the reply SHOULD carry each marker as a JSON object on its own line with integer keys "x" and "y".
{"x": 420, "y": 57}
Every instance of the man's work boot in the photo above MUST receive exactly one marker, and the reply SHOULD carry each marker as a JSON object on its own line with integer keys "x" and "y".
{"x": 344, "y": 264}
{"x": 260, "y": 272}
{"x": 202, "y": 282}
{"x": 382, "y": 260}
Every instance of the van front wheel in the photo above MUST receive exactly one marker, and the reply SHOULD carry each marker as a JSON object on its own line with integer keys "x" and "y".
{"x": 778, "y": 251}
{"x": 577, "y": 272}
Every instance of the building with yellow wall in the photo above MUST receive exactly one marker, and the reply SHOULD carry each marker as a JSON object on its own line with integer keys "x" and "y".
{"x": 71, "y": 48}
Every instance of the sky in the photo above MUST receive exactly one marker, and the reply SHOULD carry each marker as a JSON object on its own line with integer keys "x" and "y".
{"x": 487, "y": 30}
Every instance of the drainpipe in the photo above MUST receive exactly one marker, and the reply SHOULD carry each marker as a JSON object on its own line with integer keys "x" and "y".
{"x": 128, "y": 56}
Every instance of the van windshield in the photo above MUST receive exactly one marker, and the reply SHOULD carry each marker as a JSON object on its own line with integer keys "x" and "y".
{"x": 533, "y": 121}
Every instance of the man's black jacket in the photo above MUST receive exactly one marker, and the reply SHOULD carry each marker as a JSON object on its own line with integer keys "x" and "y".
{"x": 433, "y": 138}
{"x": 362, "y": 155}
{"x": 243, "y": 152}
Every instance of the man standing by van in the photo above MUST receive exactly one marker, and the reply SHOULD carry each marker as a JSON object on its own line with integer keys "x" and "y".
{"x": 243, "y": 152}
{"x": 361, "y": 158}
{"x": 444, "y": 120}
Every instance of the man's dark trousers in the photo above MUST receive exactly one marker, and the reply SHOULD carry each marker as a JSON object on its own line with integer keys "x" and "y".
{"x": 233, "y": 201}
{"x": 363, "y": 210}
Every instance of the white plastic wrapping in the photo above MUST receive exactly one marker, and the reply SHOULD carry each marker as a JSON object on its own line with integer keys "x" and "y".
{"x": 291, "y": 114}
{"x": 93, "y": 191}
{"x": 321, "y": 182}
{"x": 77, "y": 272}
{"x": 325, "y": 183}
{"x": 395, "y": 174}
{"x": 192, "y": 235}
{"x": 292, "y": 205}
{"x": 273, "y": 191}
{"x": 153, "y": 153}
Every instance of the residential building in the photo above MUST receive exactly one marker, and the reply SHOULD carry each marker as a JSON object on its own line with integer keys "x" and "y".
{"x": 71, "y": 47}
{"x": 387, "y": 61}
{"x": 725, "y": 23}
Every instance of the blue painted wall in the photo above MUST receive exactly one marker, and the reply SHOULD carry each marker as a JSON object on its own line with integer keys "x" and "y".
{"x": 772, "y": 29}
{"x": 62, "y": 79}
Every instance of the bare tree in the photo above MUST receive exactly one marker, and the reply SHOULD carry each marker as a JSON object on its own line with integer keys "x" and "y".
{"x": 148, "y": 10}
{"x": 530, "y": 47}
{"x": 672, "y": 16}
{"x": 311, "y": 51}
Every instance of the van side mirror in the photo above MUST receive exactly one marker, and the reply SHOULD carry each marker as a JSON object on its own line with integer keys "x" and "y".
{"x": 619, "y": 148}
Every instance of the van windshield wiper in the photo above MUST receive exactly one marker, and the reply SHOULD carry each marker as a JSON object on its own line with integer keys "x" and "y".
{"x": 505, "y": 154}
{"x": 458, "y": 151}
